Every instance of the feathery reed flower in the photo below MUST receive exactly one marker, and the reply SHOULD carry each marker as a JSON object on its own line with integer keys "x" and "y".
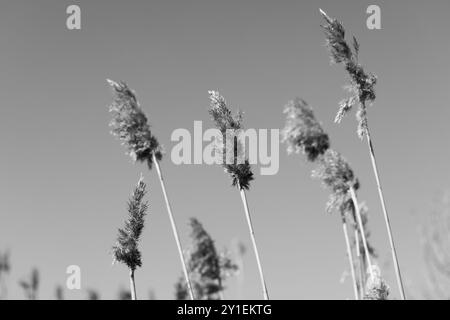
{"x": 362, "y": 88}
{"x": 241, "y": 173}
{"x": 335, "y": 173}
{"x": 130, "y": 125}
{"x": 229, "y": 125}
{"x": 362, "y": 84}
{"x": 93, "y": 294}
{"x": 126, "y": 249}
{"x": 59, "y": 292}
{"x": 5, "y": 268}
{"x": 31, "y": 285}
{"x": 303, "y": 133}
{"x": 376, "y": 287}
{"x": 4, "y": 263}
{"x": 207, "y": 267}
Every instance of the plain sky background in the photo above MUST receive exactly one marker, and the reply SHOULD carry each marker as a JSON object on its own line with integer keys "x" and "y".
{"x": 64, "y": 180}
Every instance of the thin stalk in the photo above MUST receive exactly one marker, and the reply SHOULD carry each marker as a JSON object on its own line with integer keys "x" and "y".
{"x": 362, "y": 282}
{"x": 350, "y": 257}
{"x": 132, "y": 286}
{"x": 361, "y": 229}
{"x": 221, "y": 294}
{"x": 386, "y": 216}
{"x": 255, "y": 248}
{"x": 174, "y": 228}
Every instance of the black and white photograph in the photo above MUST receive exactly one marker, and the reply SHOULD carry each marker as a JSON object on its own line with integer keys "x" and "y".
{"x": 246, "y": 151}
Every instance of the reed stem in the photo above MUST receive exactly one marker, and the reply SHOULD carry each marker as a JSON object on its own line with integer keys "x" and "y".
{"x": 350, "y": 257}
{"x": 361, "y": 229}
{"x": 361, "y": 269}
{"x": 255, "y": 248}
{"x": 174, "y": 228}
{"x": 132, "y": 286}
{"x": 386, "y": 216}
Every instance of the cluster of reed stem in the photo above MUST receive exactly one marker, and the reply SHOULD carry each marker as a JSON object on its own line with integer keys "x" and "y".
{"x": 362, "y": 87}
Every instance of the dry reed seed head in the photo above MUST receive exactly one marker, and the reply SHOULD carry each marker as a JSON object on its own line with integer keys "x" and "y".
{"x": 4, "y": 263}
{"x": 362, "y": 83}
{"x": 126, "y": 249}
{"x": 203, "y": 257}
{"x": 376, "y": 287}
{"x": 93, "y": 294}
{"x": 34, "y": 279}
{"x": 31, "y": 285}
{"x": 181, "y": 289}
{"x": 335, "y": 40}
{"x": 240, "y": 172}
{"x": 124, "y": 294}
{"x": 130, "y": 125}
{"x": 221, "y": 114}
{"x": 302, "y": 132}
{"x": 207, "y": 268}
{"x": 336, "y": 174}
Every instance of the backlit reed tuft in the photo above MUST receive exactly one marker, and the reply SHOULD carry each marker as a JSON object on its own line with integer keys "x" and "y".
{"x": 230, "y": 125}
{"x": 239, "y": 170}
{"x": 31, "y": 285}
{"x": 376, "y": 287}
{"x": 5, "y": 268}
{"x": 335, "y": 173}
{"x": 208, "y": 268}
{"x": 362, "y": 83}
{"x": 126, "y": 249}
{"x": 303, "y": 133}
{"x": 130, "y": 125}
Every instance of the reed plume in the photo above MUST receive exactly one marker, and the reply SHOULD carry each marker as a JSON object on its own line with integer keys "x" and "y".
{"x": 59, "y": 292}
{"x": 362, "y": 90}
{"x": 124, "y": 294}
{"x": 376, "y": 288}
{"x": 126, "y": 249}
{"x": 240, "y": 171}
{"x": 208, "y": 268}
{"x": 93, "y": 294}
{"x": 31, "y": 285}
{"x": 5, "y": 268}
{"x": 130, "y": 125}
{"x": 302, "y": 132}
